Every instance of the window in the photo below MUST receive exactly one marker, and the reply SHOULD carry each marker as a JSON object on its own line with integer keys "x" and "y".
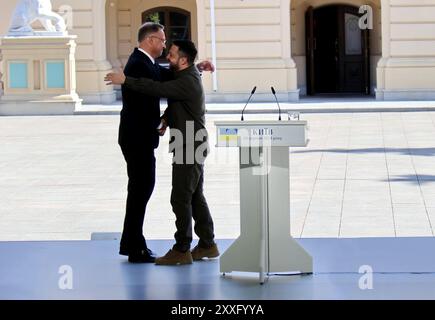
{"x": 18, "y": 75}
{"x": 55, "y": 74}
{"x": 352, "y": 34}
{"x": 176, "y": 22}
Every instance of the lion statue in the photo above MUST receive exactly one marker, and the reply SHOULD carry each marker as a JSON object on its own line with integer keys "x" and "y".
{"x": 27, "y": 11}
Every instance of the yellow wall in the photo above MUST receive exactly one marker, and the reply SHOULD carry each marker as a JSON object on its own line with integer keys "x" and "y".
{"x": 259, "y": 42}
{"x": 89, "y": 25}
{"x": 253, "y": 47}
{"x": 7, "y": 7}
{"x": 412, "y": 34}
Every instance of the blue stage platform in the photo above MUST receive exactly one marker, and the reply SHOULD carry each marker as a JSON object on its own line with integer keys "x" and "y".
{"x": 403, "y": 268}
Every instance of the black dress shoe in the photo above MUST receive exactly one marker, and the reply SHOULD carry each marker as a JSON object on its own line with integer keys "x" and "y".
{"x": 124, "y": 252}
{"x": 142, "y": 257}
{"x": 151, "y": 253}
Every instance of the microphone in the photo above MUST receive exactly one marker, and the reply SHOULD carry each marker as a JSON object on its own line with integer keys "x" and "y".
{"x": 252, "y": 93}
{"x": 274, "y": 94}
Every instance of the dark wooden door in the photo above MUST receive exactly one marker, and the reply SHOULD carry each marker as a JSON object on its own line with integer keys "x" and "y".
{"x": 309, "y": 27}
{"x": 337, "y": 51}
{"x": 352, "y": 55}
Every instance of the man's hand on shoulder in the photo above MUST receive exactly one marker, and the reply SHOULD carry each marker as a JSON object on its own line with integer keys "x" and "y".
{"x": 115, "y": 78}
{"x": 206, "y": 66}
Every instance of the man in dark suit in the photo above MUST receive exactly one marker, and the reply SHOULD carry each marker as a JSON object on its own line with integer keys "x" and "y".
{"x": 138, "y": 137}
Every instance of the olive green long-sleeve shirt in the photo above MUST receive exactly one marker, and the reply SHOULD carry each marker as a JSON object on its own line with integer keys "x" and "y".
{"x": 185, "y": 114}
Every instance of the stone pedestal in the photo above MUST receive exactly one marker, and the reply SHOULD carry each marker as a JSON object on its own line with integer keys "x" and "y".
{"x": 39, "y": 75}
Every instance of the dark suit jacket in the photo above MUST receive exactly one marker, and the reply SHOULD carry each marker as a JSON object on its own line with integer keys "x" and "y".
{"x": 140, "y": 115}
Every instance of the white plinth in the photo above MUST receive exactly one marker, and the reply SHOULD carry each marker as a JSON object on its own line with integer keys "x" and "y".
{"x": 39, "y": 75}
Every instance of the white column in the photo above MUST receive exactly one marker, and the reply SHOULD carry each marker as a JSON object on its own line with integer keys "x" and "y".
{"x": 213, "y": 42}
{"x": 285, "y": 30}
{"x": 99, "y": 29}
{"x": 112, "y": 34}
{"x": 386, "y": 42}
{"x": 386, "y": 25}
{"x": 286, "y": 43}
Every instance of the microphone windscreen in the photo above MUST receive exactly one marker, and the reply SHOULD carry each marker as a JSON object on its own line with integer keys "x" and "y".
{"x": 253, "y": 90}
{"x": 273, "y": 90}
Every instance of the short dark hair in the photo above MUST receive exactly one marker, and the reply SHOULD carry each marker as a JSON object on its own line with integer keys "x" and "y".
{"x": 148, "y": 28}
{"x": 186, "y": 48}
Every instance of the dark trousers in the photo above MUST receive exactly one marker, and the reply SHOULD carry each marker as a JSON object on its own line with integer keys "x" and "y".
{"x": 141, "y": 170}
{"x": 188, "y": 201}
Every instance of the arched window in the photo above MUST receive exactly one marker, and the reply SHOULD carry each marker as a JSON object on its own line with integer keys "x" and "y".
{"x": 176, "y": 22}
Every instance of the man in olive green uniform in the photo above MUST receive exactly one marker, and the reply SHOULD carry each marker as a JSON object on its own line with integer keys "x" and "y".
{"x": 185, "y": 116}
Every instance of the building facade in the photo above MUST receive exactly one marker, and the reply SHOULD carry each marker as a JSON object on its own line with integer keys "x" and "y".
{"x": 299, "y": 47}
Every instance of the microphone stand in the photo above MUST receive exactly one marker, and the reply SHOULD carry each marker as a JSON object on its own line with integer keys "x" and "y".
{"x": 252, "y": 93}
{"x": 274, "y": 94}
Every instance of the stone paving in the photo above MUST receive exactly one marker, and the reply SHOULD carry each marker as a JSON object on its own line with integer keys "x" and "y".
{"x": 368, "y": 174}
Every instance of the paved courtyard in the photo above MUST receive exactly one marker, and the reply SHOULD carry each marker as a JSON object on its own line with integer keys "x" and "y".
{"x": 362, "y": 175}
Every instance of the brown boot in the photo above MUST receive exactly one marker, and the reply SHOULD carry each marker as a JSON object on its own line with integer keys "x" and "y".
{"x": 199, "y": 253}
{"x": 174, "y": 257}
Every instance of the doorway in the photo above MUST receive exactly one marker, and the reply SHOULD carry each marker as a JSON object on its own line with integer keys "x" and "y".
{"x": 338, "y": 54}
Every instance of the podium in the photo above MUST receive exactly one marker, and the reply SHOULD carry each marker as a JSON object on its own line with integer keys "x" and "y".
{"x": 265, "y": 244}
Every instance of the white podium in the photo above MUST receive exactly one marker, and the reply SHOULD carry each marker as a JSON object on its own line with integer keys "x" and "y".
{"x": 265, "y": 244}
